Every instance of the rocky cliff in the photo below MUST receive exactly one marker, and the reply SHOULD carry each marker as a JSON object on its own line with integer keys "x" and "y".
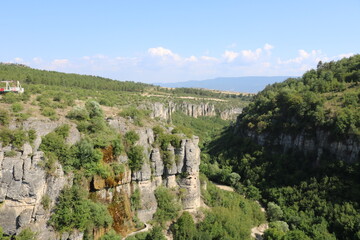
{"x": 25, "y": 186}
{"x": 315, "y": 144}
{"x": 164, "y": 110}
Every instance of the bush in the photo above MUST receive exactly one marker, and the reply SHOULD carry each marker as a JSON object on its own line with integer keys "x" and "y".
{"x": 11, "y": 153}
{"x": 135, "y": 200}
{"x": 111, "y": 235}
{"x": 55, "y": 143}
{"x": 32, "y": 135}
{"x": 74, "y": 211}
{"x": 15, "y": 137}
{"x": 49, "y": 112}
{"x": 45, "y": 202}
{"x": 135, "y": 114}
{"x": 274, "y": 212}
{"x": 17, "y": 107}
{"x": 131, "y": 137}
{"x": 184, "y": 228}
{"x": 78, "y": 113}
{"x": 94, "y": 109}
{"x": 136, "y": 157}
{"x": 26, "y": 234}
{"x": 168, "y": 207}
{"x": 63, "y": 130}
{"x": 4, "y": 117}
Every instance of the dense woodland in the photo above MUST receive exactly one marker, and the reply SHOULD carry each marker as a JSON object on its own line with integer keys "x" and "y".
{"x": 310, "y": 201}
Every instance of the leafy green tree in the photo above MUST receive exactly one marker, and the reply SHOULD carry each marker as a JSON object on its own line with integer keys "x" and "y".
{"x": 184, "y": 228}
{"x": 155, "y": 234}
{"x": 131, "y": 137}
{"x": 168, "y": 207}
{"x": 274, "y": 212}
{"x": 136, "y": 157}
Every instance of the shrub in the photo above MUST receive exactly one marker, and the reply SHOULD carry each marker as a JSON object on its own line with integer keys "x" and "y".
{"x": 135, "y": 200}
{"x": 184, "y": 228}
{"x": 26, "y": 234}
{"x": 49, "y": 112}
{"x": 4, "y": 117}
{"x": 11, "y": 153}
{"x": 84, "y": 154}
{"x": 11, "y": 98}
{"x": 32, "y": 135}
{"x": 94, "y": 109}
{"x": 168, "y": 207}
{"x": 74, "y": 211}
{"x": 136, "y": 157}
{"x": 118, "y": 146}
{"x": 78, "y": 113}
{"x": 274, "y": 212}
{"x": 45, "y": 202}
{"x": 63, "y": 130}
{"x": 55, "y": 143}
{"x": 111, "y": 235}
{"x": 17, "y": 107}
{"x": 131, "y": 137}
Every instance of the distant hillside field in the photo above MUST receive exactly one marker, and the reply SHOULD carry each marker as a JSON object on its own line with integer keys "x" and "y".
{"x": 236, "y": 84}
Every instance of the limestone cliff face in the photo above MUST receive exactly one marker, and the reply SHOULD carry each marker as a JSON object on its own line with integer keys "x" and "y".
{"x": 165, "y": 110}
{"x": 315, "y": 144}
{"x": 24, "y": 183}
{"x": 182, "y": 173}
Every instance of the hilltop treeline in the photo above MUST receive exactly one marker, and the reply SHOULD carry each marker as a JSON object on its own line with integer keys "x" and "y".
{"x": 29, "y": 75}
{"x": 327, "y": 97}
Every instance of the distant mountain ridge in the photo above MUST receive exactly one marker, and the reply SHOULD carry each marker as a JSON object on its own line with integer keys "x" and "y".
{"x": 250, "y": 84}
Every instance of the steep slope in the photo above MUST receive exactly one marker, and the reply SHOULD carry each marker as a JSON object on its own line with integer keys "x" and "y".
{"x": 296, "y": 148}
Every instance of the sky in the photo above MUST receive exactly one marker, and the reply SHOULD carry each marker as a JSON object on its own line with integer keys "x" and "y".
{"x": 171, "y": 41}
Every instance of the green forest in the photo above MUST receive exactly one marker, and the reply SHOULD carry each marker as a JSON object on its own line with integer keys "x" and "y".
{"x": 314, "y": 198}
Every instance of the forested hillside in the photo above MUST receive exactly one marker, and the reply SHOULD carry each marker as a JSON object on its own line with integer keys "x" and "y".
{"x": 296, "y": 149}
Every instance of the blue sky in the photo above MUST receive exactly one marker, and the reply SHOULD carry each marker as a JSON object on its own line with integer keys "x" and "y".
{"x": 169, "y": 41}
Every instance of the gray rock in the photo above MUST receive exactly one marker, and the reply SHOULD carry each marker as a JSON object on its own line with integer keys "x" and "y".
{"x": 24, "y": 218}
{"x": 156, "y": 163}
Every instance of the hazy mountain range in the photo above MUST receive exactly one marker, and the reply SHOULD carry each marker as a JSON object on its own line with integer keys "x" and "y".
{"x": 236, "y": 84}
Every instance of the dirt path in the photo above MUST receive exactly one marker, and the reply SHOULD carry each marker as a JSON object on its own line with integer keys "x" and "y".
{"x": 145, "y": 229}
{"x": 225, "y": 187}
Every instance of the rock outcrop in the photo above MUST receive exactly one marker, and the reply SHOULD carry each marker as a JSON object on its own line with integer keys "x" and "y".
{"x": 24, "y": 183}
{"x": 23, "y": 186}
{"x": 164, "y": 111}
{"x": 316, "y": 144}
{"x": 182, "y": 173}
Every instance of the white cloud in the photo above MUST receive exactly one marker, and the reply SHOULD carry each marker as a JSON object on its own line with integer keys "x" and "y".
{"x": 160, "y": 64}
{"x": 18, "y": 60}
{"x": 207, "y": 58}
{"x": 230, "y": 56}
{"x": 59, "y": 64}
{"x": 37, "y": 60}
{"x": 191, "y": 59}
{"x": 250, "y": 55}
{"x": 163, "y": 52}
{"x": 268, "y": 47}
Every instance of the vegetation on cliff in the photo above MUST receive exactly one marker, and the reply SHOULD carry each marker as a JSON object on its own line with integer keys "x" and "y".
{"x": 317, "y": 197}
